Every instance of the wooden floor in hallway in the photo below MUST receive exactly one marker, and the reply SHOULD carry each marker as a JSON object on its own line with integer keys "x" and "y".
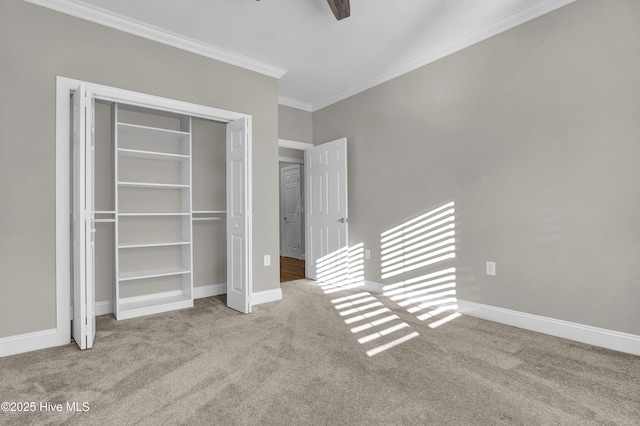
{"x": 291, "y": 269}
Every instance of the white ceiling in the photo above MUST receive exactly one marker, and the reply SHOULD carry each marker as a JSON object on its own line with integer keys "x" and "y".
{"x": 321, "y": 60}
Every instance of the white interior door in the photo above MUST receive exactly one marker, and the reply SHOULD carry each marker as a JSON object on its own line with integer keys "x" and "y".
{"x": 83, "y": 227}
{"x": 291, "y": 209}
{"x": 327, "y": 212}
{"x": 239, "y": 215}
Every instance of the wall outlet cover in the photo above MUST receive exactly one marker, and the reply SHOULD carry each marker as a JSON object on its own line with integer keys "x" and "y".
{"x": 491, "y": 268}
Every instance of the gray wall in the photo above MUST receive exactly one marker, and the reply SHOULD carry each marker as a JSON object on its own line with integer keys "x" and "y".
{"x": 535, "y": 135}
{"x": 36, "y": 45}
{"x": 295, "y": 124}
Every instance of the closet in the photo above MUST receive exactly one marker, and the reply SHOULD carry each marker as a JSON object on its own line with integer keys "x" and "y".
{"x": 159, "y": 192}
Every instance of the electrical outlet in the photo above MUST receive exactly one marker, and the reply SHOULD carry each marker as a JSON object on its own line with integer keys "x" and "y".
{"x": 367, "y": 254}
{"x": 267, "y": 260}
{"x": 491, "y": 268}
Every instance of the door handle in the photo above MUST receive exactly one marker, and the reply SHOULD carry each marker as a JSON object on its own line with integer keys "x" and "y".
{"x": 342, "y": 220}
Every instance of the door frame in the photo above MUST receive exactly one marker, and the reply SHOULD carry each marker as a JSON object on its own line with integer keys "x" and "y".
{"x": 65, "y": 87}
{"x": 301, "y": 146}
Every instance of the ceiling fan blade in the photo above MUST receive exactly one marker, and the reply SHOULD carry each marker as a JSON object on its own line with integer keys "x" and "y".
{"x": 340, "y": 8}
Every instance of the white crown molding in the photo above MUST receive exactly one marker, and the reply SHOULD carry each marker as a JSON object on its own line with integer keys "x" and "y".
{"x": 482, "y": 33}
{"x": 295, "y": 103}
{"x": 140, "y": 29}
{"x": 610, "y": 339}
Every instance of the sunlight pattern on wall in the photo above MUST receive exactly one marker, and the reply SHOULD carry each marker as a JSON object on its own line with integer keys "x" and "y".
{"x": 420, "y": 242}
{"x": 341, "y": 269}
{"x": 428, "y": 296}
{"x": 423, "y": 242}
{"x": 374, "y": 323}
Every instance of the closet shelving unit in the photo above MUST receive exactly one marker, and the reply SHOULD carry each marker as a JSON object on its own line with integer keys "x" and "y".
{"x": 153, "y": 215}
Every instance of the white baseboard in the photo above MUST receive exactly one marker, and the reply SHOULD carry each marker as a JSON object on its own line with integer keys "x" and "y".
{"x": 373, "y": 287}
{"x": 610, "y": 339}
{"x": 209, "y": 290}
{"x": 260, "y": 297}
{"x": 27, "y": 342}
{"x": 104, "y": 308}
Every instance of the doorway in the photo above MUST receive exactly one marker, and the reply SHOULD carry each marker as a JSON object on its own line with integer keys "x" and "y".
{"x": 291, "y": 200}
{"x": 324, "y": 216}
{"x": 292, "y": 215}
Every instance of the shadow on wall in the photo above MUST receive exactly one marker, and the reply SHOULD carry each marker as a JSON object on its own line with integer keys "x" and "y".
{"x": 425, "y": 242}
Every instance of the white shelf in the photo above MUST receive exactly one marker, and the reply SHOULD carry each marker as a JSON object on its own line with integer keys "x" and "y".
{"x": 139, "y": 306}
{"x": 153, "y": 244}
{"x": 152, "y": 273}
{"x": 154, "y": 132}
{"x": 153, "y": 185}
{"x": 208, "y": 215}
{"x": 151, "y": 155}
{"x": 151, "y": 214}
{"x": 143, "y": 157}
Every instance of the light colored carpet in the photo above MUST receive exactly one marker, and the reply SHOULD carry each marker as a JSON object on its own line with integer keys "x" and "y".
{"x": 296, "y": 361}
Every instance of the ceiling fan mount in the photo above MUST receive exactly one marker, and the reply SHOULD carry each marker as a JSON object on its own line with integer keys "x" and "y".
{"x": 340, "y": 8}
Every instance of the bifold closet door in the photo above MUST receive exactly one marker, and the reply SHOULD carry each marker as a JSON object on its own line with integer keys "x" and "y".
{"x": 83, "y": 227}
{"x": 238, "y": 215}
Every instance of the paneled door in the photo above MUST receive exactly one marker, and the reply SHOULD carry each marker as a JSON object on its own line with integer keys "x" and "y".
{"x": 239, "y": 215}
{"x": 291, "y": 210}
{"x": 83, "y": 227}
{"x": 327, "y": 212}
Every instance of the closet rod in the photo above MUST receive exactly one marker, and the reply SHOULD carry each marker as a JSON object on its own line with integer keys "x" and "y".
{"x": 207, "y": 218}
{"x": 104, "y": 220}
{"x": 209, "y": 212}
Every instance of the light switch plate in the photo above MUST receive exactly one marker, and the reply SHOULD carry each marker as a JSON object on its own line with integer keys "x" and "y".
{"x": 267, "y": 260}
